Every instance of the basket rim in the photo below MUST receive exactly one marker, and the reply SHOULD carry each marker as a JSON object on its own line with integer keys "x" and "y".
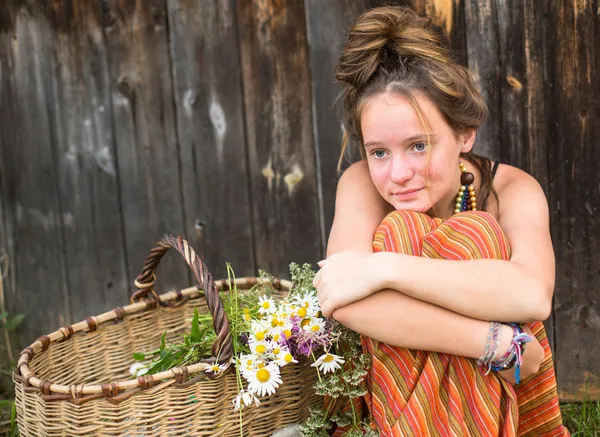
{"x": 90, "y": 324}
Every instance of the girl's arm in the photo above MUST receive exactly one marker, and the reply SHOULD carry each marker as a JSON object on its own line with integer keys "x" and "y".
{"x": 519, "y": 290}
{"x": 399, "y": 320}
{"x": 393, "y": 317}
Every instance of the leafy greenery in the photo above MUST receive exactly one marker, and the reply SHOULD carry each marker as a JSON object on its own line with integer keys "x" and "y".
{"x": 582, "y": 419}
{"x": 192, "y": 349}
{"x": 344, "y": 385}
{"x": 197, "y": 345}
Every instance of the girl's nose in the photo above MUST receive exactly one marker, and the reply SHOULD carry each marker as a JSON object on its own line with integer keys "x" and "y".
{"x": 400, "y": 172}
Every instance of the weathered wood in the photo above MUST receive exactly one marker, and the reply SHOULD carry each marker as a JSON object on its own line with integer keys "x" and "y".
{"x": 449, "y": 16}
{"x": 33, "y": 219}
{"x": 525, "y": 143}
{"x": 482, "y": 58}
{"x": 574, "y": 180}
{"x": 279, "y": 133}
{"x": 144, "y": 130}
{"x": 210, "y": 123}
{"x": 328, "y": 24}
{"x": 85, "y": 160}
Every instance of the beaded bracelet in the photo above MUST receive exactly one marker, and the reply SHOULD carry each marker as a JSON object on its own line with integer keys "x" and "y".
{"x": 514, "y": 356}
{"x": 491, "y": 347}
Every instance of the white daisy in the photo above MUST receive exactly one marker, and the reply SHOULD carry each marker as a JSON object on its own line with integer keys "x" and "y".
{"x": 286, "y": 330}
{"x": 216, "y": 368}
{"x": 266, "y": 305}
{"x": 328, "y": 363}
{"x": 247, "y": 397}
{"x": 284, "y": 357}
{"x": 314, "y": 324}
{"x": 310, "y": 302}
{"x": 264, "y": 381}
{"x": 246, "y": 362}
{"x": 138, "y": 369}
{"x": 260, "y": 348}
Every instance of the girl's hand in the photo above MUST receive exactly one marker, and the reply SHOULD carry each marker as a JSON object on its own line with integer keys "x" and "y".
{"x": 532, "y": 360}
{"x": 347, "y": 277}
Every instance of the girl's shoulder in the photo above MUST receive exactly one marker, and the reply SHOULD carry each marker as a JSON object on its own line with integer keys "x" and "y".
{"x": 508, "y": 175}
{"x": 514, "y": 185}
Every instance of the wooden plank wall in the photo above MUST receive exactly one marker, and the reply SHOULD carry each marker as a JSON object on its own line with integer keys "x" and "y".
{"x": 217, "y": 120}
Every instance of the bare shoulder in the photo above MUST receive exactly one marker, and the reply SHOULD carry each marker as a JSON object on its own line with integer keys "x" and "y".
{"x": 356, "y": 174}
{"x": 520, "y": 194}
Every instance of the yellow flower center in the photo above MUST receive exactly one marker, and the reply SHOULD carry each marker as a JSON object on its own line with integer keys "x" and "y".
{"x": 328, "y": 358}
{"x": 266, "y": 305}
{"x": 263, "y": 375}
{"x": 305, "y": 322}
{"x": 247, "y": 317}
{"x": 274, "y": 322}
{"x": 246, "y": 310}
{"x": 276, "y": 351}
{"x": 260, "y": 335}
{"x": 214, "y": 368}
{"x": 315, "y": 328}
{"x": 261, "y": 348}
{"x": 287, "y": 333}
{"x": 276, "y": 337}
{"x": 302, "y": 312}
{"x": 288, "y": 358}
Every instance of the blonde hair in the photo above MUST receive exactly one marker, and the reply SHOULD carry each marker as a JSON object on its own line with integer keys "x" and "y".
{"x": 392, "y": 49}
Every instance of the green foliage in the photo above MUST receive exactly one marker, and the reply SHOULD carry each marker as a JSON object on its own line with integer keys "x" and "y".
{"x": 192, "y": 349}
{"x": 197, "y": 345}
{"x": 348, "y": 382}
{"x": 582, "y": 419}
{"x": 11, "y": 322}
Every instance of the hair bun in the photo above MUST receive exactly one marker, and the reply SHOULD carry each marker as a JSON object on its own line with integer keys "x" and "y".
{"x": 384, "y": 37}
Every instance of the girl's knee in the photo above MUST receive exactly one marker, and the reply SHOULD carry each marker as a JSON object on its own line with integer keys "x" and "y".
{"x": 468, "y": 235}
{"x": 403, "y": 232}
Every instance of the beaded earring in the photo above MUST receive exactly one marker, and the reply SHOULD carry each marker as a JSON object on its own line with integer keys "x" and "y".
{"x": 466, "y": 199}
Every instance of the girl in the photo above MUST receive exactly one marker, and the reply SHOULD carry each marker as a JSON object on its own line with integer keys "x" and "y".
{"x": 441, "y": 259}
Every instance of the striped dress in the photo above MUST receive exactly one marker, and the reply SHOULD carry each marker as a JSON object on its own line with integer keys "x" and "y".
{"x": 417, "y": 393}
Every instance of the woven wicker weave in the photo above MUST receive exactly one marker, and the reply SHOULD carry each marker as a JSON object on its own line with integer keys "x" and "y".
{"x": 76, "y": 382}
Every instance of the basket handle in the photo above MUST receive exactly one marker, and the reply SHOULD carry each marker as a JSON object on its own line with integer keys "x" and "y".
{"x": 223, "y": 346}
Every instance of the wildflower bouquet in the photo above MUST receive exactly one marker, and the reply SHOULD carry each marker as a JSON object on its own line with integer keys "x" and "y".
{"x": 270, "y": 332}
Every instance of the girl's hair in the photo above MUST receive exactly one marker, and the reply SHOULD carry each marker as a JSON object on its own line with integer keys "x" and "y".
{"x": 393, "y": 49}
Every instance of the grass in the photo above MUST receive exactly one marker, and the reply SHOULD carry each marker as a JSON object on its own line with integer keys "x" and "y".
{"x": 582, "y": 419}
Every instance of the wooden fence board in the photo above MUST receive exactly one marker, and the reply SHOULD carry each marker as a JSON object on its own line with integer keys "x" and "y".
{"x": 521, "y": 31}
{"x": 85, "y": 160}
{"x": 328, "y": 24}
{"x": 279, "y": 132}
{"x": 574, "y": 178}
{"x": 482, "y": 57}
{"x": 144, "y": 128}
{"x": 210, "y": 122}
{"x": 449, "y": 16}
{"x": 10, "y": 346}
{"x": 32, "y": 211}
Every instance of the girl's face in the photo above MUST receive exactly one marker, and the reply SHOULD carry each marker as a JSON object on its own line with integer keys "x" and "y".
{"x": 409, "y": 173}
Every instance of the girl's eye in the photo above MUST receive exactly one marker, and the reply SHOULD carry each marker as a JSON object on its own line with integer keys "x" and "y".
{"x": 379, "y": 153}
{"x": 420, "y": 147}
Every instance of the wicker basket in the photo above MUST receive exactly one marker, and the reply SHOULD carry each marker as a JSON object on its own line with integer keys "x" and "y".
{"x": 76, "y": 382}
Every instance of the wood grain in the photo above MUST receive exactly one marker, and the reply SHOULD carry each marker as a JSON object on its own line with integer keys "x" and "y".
{"x": 145, "y": 134}
{"x": 210, "y": 124}
{"x": 279, "y": 133}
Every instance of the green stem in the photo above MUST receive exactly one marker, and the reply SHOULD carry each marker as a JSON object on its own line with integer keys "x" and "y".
{"x": 316, "y": 367}
{"x": 351, "y": 401}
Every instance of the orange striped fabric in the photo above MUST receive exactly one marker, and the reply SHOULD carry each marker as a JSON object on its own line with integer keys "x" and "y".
{"x": 417, "y": 393}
